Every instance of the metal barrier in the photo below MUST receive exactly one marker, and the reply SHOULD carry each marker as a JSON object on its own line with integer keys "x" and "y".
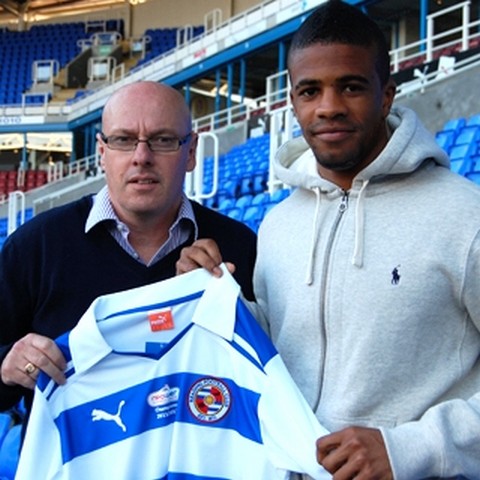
{"x": 194, "y": 183}
{"x": 14, "y": 209}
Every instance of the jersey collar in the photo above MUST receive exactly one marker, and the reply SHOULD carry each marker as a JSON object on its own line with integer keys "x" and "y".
{"x": 215, "y": 311}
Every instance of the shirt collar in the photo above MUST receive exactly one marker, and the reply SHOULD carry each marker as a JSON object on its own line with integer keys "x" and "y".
{"x": 102, "y": 210}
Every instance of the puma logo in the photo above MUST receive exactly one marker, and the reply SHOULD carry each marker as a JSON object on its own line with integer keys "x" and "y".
{"x": 102, "y": 415}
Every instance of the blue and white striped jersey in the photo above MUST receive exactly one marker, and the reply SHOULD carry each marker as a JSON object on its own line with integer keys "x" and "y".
{"x": 174, "y": 380}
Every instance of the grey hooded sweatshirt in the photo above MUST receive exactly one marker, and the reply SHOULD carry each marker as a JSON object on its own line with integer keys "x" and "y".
{"x": 373, "y": 298}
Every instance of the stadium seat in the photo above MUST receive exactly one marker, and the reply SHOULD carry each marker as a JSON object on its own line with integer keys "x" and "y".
{"x": 475, "y": 163}
{"x": 246, "y": 185}
{"x": 473, "y": 120}
{"x": 228, "y": 189}
{"x": 9, "y": 453}
{"x": 210, "y": 202}
{"x": 162, "y": 40}
{"x": 268, "y": 207}
{"x": 253, "y": 215}
{"x": 460, "y": 157}
{"x": 259, "y": 183}
{"x": 244, "y": 201}
{"x": 468, "y": 134}
{"x": 445, "y": 139}
{"x": 226, "y": 204}
{"x": 279, "y": 195}
{"x": 261, "y": 198}
{"x": 3, "y": 226}
{"x": 235, "y": 213}
{"x": 5, "y": 425}
{"x": 474, "y": 177}
{"x": 454, "y": 124}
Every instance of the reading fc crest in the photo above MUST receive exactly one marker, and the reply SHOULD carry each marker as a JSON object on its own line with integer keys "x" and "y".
{"x": 209, "y": 400}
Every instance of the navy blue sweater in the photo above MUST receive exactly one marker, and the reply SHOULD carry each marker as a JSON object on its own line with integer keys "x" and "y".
{"x": 51, "y": 271}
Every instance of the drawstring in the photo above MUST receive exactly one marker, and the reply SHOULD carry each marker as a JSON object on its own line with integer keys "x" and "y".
{"x": 357, "y": 258}
{"x": 309, "y": 278}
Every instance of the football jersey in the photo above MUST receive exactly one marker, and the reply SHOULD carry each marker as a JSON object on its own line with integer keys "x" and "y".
{"x": 173, "y": 380}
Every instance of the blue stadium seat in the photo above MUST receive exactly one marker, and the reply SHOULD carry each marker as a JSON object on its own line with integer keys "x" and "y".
{"x": 473, "y": 120}
{"x": 9, "y": 453}
{"x": 259, "y": 183}
{"x": 235, "y": 213}
{"x": 474, "y": 177}
{"x": 246, "y": 185}
{"x": 28, "y": 213}
{"x": 5, "y": 425}
{"x": 445, "y": 139}
{"x": 279, "y": 195}
{"x": 3, "y": 226}
{"x": 244, "y": 201}
{"x": 275, "y": 198}
{"x": 460, "y": 157}
{"x": 261, "y": 198}
{"x": 468, "y": 134}
{"x": 268, "y": 207}
{"x": 210, "y": 202}
{"x": 228, "y": 189}
{"x": 454, "y": 124}
{"x": 474, "y": 163}
{"x": 226, "y": 204}
{"x": 253, "y": 215}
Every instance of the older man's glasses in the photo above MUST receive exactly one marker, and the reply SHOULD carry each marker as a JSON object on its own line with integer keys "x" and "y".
{"x": 158, "y": 143}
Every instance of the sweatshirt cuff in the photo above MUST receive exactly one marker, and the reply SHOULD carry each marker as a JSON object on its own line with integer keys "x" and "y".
{"x": 413, "y": 451}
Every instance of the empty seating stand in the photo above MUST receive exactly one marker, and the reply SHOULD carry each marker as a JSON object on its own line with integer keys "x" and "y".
{"x": 19, "y": 50}
{"x": 243, "y": 174}
{"x": 244, "y": 170}
{"x": 11, "y": 180}
{"x": 460, "y": 138}
{"x": 161, "y": 40}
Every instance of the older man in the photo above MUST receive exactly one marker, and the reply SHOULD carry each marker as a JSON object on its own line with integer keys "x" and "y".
{"x": 129, "y": 234}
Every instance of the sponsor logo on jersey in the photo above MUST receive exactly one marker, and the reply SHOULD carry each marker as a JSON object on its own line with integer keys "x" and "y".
{"x": 164, "y": 401}
{"x": 209, "y": 400}
{"x": 163, "y": 396}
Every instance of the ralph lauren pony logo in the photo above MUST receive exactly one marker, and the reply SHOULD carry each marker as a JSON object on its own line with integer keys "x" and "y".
{"x": 395, "y": 276}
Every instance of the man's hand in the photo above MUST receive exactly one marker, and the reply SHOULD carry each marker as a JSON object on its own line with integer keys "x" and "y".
{"x": 28, "y": 356}
{"x": 355, "y": 452}
{"x": 202, "y": 253}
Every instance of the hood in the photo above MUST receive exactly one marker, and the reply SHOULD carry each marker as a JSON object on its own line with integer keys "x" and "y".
{"x": 409, "y": 146}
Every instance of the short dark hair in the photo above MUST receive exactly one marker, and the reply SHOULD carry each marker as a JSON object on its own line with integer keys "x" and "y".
{"x": 337, "y": 22}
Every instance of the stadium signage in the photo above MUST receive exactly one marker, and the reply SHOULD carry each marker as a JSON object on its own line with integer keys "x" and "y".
{"x": 21, "y": 120}
{"x": 10, "y": 120}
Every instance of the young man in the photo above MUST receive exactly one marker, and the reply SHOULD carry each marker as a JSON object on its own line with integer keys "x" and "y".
{"x": 128, "y": 235}
{"x": 368, "y": 274}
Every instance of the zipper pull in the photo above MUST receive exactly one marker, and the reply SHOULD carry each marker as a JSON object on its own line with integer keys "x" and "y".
{"x": 344, "y": 204}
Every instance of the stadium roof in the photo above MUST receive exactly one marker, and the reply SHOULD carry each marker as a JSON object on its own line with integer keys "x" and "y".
{"x": 382, "y": 10}
{"x": 44, "y": 9}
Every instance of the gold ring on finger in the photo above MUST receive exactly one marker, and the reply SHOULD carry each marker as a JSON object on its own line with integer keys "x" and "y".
{"x": 29, "y": 368}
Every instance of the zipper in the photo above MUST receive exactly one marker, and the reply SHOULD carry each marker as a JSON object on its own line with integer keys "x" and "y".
{"x": 342, "y": 208}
